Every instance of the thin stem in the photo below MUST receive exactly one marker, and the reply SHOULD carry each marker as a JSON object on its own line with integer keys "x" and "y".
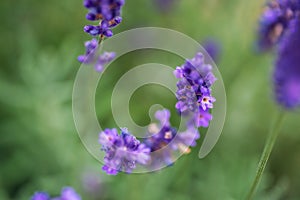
{"x": 266, "y": 154}
{"x": 101, "y": 37}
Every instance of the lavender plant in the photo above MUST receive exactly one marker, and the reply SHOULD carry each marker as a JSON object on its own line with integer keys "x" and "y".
{"x": 108, "y": 15}
{"x": 281, "y": 25}
{"x": 67, "y": 193}
{"x": 123, "y": 152}
{"x": 194, "y": 90}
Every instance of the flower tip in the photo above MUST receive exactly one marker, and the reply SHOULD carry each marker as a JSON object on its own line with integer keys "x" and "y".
{"x": 108, "y": 33}
{"x": 90, "y": 16}
{"x": 109, "y": 171}
{"x": 163, "y": 116}
{"x": 118, "y": 19}
{"x": 98, "y": 68}
{"x": 178, "y": 73}
{"x": 81, "y": 58}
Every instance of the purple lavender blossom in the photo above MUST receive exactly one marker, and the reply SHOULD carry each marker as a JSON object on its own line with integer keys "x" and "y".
{"x": 165, "y": 140}
{"x": 40, "y": 196}
{"x": 275, "y": 21}
{"x": 104, "y": 59}
{"x": 123, "y": 151}
{"x": 89, "y": 56}
{"x": 97, "y": 30}
{"x": 287, "y": 69}
{"x": 202, "y": 118}
{"x": 108, "y": 11}
{"x": 194, "y": 89}
{"x": 163, "y": 116}
{"x": 186, "y": 139}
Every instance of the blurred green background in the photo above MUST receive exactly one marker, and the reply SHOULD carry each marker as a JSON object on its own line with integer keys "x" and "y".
{"x": 39, "y": 146}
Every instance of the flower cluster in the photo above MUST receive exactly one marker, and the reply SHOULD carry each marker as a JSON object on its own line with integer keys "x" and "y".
{"x": 67, "y": 193}
{"x": 275, "y": 21}
{"x": 107, "y": 12}
{"x": 122, "y": 152}
{"x": 194, "y": 90}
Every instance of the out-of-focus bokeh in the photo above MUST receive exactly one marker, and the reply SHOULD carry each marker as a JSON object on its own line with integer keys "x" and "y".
{"x": 39, "y": 146}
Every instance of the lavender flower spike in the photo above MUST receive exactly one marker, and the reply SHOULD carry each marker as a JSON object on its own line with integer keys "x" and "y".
{"x": 287, "y": 69}
{"x": 108, "y": 12}
{"x": 194, "y": 90}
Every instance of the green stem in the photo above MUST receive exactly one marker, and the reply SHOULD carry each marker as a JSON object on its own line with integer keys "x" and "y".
{"x": 101, "y": 37}
{"x": 266, "y": 154}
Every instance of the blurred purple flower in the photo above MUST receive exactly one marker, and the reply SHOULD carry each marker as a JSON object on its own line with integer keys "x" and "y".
{"x": 123, "y": 151}
{"x": 40, "y": 196}
{"x": 164, "y": 6}
{"x": 287, "y": 69}
{"x": 67, "y": 193}
{"x": 104, "y": 59}
{"x": 90, "y": 52}
{"x": 213, "y": 49}
{"x": 165, "y": 140}
{"x": 185, "y": 139}
{"x": 194, "y": 88}
{"x": 91, "y": 56}
{"x": 275, "y": 21}
{"x": 93, "y": 184}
